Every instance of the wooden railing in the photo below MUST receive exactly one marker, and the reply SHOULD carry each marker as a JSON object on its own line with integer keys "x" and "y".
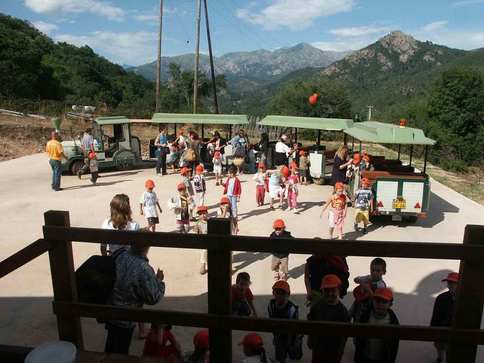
{"x": 463, "y": 336}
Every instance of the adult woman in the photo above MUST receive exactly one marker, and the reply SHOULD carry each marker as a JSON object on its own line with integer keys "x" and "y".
{"x": 340, "y": 164}
{"x": 161, "y": 144}
{"x": 181, "y": 144}
{"x": 282, "y": 151}
{"x": 193, "y": 151}
{"x": 240, "y": 144}
{"x": 263, "y": 148}
{"x": 216, "y": 143}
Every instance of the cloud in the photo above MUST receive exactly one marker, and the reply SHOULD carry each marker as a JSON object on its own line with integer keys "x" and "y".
{"x": 436, "y": 25}
{"x": 341, "y": 45}
{"x": 293, "y": 14}
{"x": 359, "y": 31}
{"x": 147, "y": 17}
{"x": 123, "y": 48}
{"x": 44, "y": 27}
{"x": 97, "y": 7}
{"x": 467, "y": 3}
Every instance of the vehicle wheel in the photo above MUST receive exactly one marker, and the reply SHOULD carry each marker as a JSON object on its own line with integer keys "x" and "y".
{"x": 124, "y": 160}
{"x": 76, "y": 166}
{"x": 411, "y": 219}
{"x": 318, "y": 181}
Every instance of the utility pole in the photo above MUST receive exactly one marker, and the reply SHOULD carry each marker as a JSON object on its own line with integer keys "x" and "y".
{"x": 370, "y": 109}
{"x": 158, "y": 61}
{"x": 212, "y": 70}
{"x": 197, "y": 56}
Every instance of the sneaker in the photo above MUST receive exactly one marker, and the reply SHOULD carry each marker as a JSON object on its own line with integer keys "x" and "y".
{"x": 365, "y": 231}
{"x": 355, "y": 226}
{"x": 217, "y": 183}
{"x": 79, "y": 175}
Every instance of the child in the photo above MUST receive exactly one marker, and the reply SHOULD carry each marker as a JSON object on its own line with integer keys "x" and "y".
{"x": 303, "y": 167}
{"x": 201, "y": 353}
{"x": 217, "y": 166}
{"x": 253, "y": 349}
{"x": 242, "y": 298}
{"x": 329, "y": 308}
{"x": 148, "y": 203}
{"x": 280, "y": 261}
{"x": 285, "y": 173}
{"x": 93, "y": 167}
{"x": 280, "y": 307}
{"x": 260, "y": 179}
{"x": 161, "y": 343}
{"x": 225, "y": 211}
{"x": 292, "y": 190}
{"x": 201, "y": 228}
{"x": 181, "y": 206}
{"x": 185, "y": 173}
{"x": 337, "y": 211}
{"x": 233, "y": 189}
{"x": 443, "y": 312}
{"x": 367, "y": 285}
{"x": 199, "y": 186}
{"x": 275, "y": 189}
{"x": 363, "y": 204}
{"x": 353, "y": 169}
{"x": 366, "y": 162}
{"x": 381, "y": 350}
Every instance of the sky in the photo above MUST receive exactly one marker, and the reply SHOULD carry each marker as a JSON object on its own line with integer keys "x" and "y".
{"x": 126, "y": 31}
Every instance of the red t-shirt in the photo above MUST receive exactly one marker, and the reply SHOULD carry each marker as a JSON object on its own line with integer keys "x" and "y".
{"x": 239, "y": 295}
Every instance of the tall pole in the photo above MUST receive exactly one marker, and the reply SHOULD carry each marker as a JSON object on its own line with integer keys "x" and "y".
{"x": 370, "y": 109}
{"x": 197, "y": 56}
{"x": 158, "y": 61}
{"x": 212, "y": 68}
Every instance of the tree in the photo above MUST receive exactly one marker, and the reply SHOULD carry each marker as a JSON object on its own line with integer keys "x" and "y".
{"x": 456, "y": 113}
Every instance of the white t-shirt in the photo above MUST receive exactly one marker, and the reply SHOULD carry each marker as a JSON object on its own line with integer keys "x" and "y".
{"x": 149, "y": 200}
{"x": 107, "y": 224}
{"x": 366, "y": 279}
{"x": 282, "y": 148}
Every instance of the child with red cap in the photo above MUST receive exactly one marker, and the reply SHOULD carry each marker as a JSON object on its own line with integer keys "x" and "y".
{"x": 280, "y": 261}
{"x": 378, "y": 350}
{"x": 233, "y": 189}
{"x": 201, "y": 353}
{"x": 280, "y": 307}
{"x": 276, "y": 192}
{"x": 161, "y": 343}
{"x": 148, "y": 203}
{"x": 363, "y": 205}
{"x": 242, "y": 297}
{"x": 187, "y": 180}
{"x": 254, "y": 351}
{"x": 93, "y": 167}
{"x": 260, "y": 184}
{"x": 225, "y": 211}
{"x": 199, "y": 186}
{"x": 292, "y": 190}
{"x": 181, "y": 205}
{"x": 303, "y": 167}
{"x": 353, "y": 169}
{"x": 329, "y": 308}
{"x": 217, "y": 166}
{"x": 443, "y": 312}
{"x": 201, "y": 228}
{"x": 337, "y": 210}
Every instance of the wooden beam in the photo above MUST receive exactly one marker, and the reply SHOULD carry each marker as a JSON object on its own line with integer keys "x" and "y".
{"x": 469, "y": 298}
{"x": 219, "y": 283}
{"x": 63, "y": 278}
{"x": 22, "y": 257}
{"x": 446, "y": 251}
{"x": 213, "y": 321}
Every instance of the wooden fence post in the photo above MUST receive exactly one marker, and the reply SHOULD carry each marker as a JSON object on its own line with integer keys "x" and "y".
{"x": 63, "y": 279}
{"x": 469, "y": 299}
{"x": 219, "y": 284}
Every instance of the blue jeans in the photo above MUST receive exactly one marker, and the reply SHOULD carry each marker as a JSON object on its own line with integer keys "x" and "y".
{"x": 233, "y": 204}
{"x": 56, "y": 173}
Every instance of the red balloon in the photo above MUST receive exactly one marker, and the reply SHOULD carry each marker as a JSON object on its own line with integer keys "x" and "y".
{"x": 313, "y": 99}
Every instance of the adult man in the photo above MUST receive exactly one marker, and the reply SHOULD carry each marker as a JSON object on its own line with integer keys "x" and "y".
{"x": 87, "y": 145}
{"x": 161, "y": 144}
{"x": 56, "y": 152}
{"x": 282, "y": 151}
{"x": 136, "y": 284}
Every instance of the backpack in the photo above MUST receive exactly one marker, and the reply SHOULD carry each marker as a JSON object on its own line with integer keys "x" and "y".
{"x": 95, "y": 278}
{"x": 295, "y": 346}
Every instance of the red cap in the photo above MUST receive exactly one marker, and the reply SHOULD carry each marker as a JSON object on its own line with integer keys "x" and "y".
{"x": 383, "y": 293}
{"x": 202, "y": 209}
{"x": 149, "y": 184}
{"x": 199, "y": 169}
{"x": 302, "y": 153}
{"x": 282, "y": 285}
{"x": 224, "y": 200}
{"x": 252, "y": 340}
{"x": 356, "y": 158}
{"x": 261, "y": 165}
{"x": 217, "y": 155}
{"x": 278, "y": 223}
{"x": 452, "y": 277}
{"x": 285, "y": 171}
{"x": 92, "y": 155}
{"x": 365, "y": 182}
{"x": 184, "y": 171}
{"x": 201, "y": 339}
{"x": 181, "y": 186}
{"x": 341, "y": 198}
{"x": 339, "y": 186}
{"x": 330, "y": 281}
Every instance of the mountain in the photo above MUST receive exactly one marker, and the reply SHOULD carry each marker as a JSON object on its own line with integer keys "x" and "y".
{"x": 259, "y": 64}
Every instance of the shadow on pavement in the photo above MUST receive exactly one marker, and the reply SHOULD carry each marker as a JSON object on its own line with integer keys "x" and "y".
{"x": 101, "y": 184}
{"x": 123, "y": 173}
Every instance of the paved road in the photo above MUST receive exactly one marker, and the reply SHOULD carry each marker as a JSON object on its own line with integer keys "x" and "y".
{"x": 25, "y": 295}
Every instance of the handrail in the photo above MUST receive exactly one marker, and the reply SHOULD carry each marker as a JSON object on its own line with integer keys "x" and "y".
{"x": 446, "y": 251}
{"x": 202, "y": 320}
{"x": 22, "y": 257}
